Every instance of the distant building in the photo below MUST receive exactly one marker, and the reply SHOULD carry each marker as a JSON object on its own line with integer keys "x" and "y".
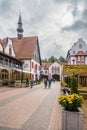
{"x": 51, "y": 70}
{"x": 78, "y": 53}
{"x": 20, "y": 57}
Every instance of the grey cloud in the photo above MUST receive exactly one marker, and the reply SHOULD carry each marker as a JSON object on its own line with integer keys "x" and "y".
{"x": 7, "y": 8}
{"x": 1, "y": 30}
{"x": 66, "y": 1}
{"x": 38, "y": 10}
{"x": 5, "y": 5}
{"x": 56, "y": 45}
{"x": 78, "y": 25}
{"x": 75, "y": 11}
{"x": 38, "y": 18}
{"x": 62, "y": 1}
{"x": 85, "y": 15}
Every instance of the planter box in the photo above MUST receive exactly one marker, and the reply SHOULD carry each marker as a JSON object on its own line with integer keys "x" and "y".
{"x": 72, "y": 120}
{"x": 11, "y": 85}
{"x": 18, "y": 84}
{"x": 0, "y": 84}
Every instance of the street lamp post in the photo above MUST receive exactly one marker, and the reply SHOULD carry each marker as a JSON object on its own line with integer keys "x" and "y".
{"x": 73, "y": 61}
{"x": 73, "y": 64}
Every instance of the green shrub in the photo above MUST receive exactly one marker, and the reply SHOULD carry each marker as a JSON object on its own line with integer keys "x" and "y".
{"x": 68, "y": 81}
{"x": 37, "y": 81}
{"x": 74, "y": 85}
{"x": 27, "y": 81}
{"x": 12, "y": 81}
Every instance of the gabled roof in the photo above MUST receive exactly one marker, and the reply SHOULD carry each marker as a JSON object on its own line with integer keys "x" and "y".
{"x": 3, "y": 42}
{"x": 24, "y": 47}
{"x": 46, "y": 64}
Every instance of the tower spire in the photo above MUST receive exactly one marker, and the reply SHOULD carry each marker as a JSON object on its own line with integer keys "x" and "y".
{"x": 20, "y": 29}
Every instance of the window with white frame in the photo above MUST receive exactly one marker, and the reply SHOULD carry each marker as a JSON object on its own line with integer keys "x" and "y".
{"x": 73, "y": 52}
{"x": 52, "y": 69}
{"x": 82, "y": 58}
{"x": 80, "y": 46}
{"x": 78, "y": 58}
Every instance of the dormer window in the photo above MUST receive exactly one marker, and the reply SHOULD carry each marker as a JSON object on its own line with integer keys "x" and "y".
{"x": 73, "y": 52}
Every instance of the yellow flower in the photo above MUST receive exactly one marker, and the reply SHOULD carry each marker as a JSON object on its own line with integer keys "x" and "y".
{"x": 71, "y": 102}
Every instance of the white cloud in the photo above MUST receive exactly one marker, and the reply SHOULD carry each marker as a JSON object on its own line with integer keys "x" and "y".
{"x": 47, "y": 19}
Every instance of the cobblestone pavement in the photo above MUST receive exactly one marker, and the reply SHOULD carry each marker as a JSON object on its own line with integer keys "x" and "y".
{"x": 30, "y": 109}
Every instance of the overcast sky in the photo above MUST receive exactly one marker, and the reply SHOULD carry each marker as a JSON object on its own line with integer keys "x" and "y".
{"x": 57, "y": 23}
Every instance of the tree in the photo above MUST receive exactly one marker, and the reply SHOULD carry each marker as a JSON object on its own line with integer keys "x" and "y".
{"x": 53, "y": 59}
{"x": 62, "y": 59}
{"x": 45, "y": 60}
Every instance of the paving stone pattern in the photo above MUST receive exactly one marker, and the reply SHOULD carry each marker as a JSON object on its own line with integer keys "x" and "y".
{"x": 40, "y": 118}
{"x": 30, "y": 109}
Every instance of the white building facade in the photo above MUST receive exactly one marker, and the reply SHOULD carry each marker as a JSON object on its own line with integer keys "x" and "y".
{"x": 14, "y": 67}
{"x": 51, "y": 71}
{"x": 20, "y": 56}
{"x": 78, "y": 53}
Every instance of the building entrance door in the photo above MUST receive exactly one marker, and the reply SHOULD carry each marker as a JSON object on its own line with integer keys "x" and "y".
{"x": 56, "y": 77}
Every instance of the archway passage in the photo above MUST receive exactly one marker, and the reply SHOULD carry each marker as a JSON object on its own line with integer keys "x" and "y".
{"x": 56, "y": 77}
{"x": 44, "y": 76}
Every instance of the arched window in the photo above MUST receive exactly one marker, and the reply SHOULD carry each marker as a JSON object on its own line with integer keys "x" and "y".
{"x": 4, "y": 74}
{"x": 16, "y": 75}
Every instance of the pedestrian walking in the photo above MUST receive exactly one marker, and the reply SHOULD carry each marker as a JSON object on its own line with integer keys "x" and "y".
{"x": 31, "y": 83}
{"x": 45, "y": 83}
{"x": 49, "y": 83}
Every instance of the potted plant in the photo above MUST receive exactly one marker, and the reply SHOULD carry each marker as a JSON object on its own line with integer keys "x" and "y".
{"x": 11, "y": 83}
{"x": 72, "y": 115}
{"x": 0, "y": 83}
{"x": 27, "y": 82}
{"x": 64, "y": 87}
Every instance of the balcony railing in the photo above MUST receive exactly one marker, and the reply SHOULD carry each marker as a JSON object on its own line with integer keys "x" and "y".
{"x": 10, "y": 65}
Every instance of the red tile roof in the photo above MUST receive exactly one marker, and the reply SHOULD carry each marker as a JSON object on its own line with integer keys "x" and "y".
{"x": 80, "y": 53}
{"x": 24, "y": 47}
{"x": 46, "y": 64}
{"x": 83, "y": 74}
